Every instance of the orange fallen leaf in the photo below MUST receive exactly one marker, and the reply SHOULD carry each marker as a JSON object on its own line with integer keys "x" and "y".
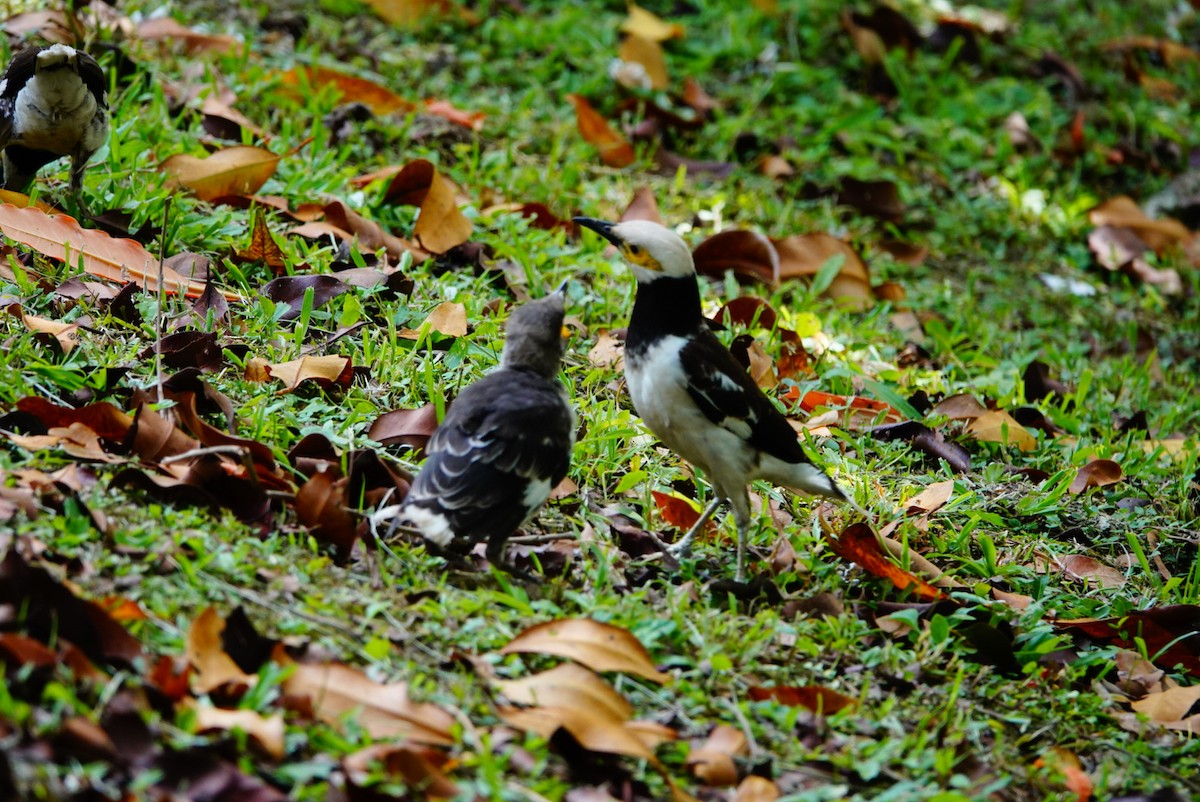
{"x": 1065, "y": 762}
{"x": 240, "y": 170}
{"x": 755, "y": 788}
{"x": 160, "y": 28}
{"x": 113, "y": 258}
{"x": 263, "y": 247}
{"x": 414, "y": 766}
{"x": 600, "y": 647}
{"x": 615, "y": 150}
{"x": 859, "y": 544}
{"x": 406, "y": 13}
{"x": 677, "y": 511}
{"x": 567, "y": 685}
{"x": 448, "y": 111}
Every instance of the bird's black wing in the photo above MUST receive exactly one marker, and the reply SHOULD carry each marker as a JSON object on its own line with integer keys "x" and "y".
{"x": 728, "y": 397}
{"x": 502, "y": 433}
{"x": 16, "y": 75}
{"x": 93, "y": 78}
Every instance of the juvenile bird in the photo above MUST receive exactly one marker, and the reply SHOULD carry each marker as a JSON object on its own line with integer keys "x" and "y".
{"x": 692, "y": 393}
{"x": 502, "y": 447}
{"x": 53, "y": 103}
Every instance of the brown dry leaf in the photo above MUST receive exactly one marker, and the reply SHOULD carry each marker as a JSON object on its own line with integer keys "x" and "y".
{"x": 1168, "y": 634}
{"x": 384, "y": 711}
{"x": 410, "y": 427}
{"x": 448, "y": 318}
{"x": 997, "y": 426}
{"x": 713, "y": 762}
{"x": 756, "y": 789}
{"x": 648, "y": 53}
{"x": 212, "y": 667}
{"x": 324, "y": 370}
{"x": 240, "y": 170}
{"x": 115, "y": 259}
{"x": 414, "y": 766}
{"x": 615, "y": 150}
{"x": 931, "y": 499}
{"x": 78, "y": 440}
{"x": 804, "y": 255}
{"x": 641, "y": 22}
{"x": 321, "y": 505}
{"x": 600, "y": 647}
{"x": 608, "y": 352}
{"x": 349, "y": 225}
{"x": 1097, "y": 473}
{"x": 263, "y": 247}
{"x": 567, "y": 685}
{"x": 817, "y": 698}
{"x": 1088, "y": 569}
{"x": 216, "y": 107}
{"x": 774, "y": 166}
{"x": 267, "y": 731}
{"x": 407, "y": 13}
{"x": 1171, "y": 708}
{"x": 441, "y": 224}
{"x": 299, "y": 82}
{"x": 748, "y": 254}
{"x": 962, "y": 406}
{"x": 1123, "y": 212}
{"x": 161, "y": 28}
{"x": 643, "y": 206}
{"x": 63, "y": 333}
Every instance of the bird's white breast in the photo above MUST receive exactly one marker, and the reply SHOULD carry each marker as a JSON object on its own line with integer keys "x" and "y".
{"x": 659, "y": 388}
{"x": 54, "y": 111}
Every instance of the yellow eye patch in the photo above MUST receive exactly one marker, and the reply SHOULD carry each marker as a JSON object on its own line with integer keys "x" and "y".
{"x": 639, "y": 256}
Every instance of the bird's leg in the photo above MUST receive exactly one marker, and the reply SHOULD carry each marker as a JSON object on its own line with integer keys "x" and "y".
{"x": 495, "y": 555}
{"x": 683, "y": 547}
{"x": 78, "y": 163}
{"x": 740, "y": 502}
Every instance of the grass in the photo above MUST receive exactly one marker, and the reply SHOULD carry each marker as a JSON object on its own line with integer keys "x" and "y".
{"x": 939, "y": 714}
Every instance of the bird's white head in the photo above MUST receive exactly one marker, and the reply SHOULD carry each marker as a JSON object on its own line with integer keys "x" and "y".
{"x": 653, "y": 251}
{"x": 58, "y": 57}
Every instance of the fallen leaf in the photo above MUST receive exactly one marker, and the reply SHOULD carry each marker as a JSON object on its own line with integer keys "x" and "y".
{"x": 303, "y": 81}
{"x": 448, "y": 318}
{"x": 440, "y": 226}
{"x": 600, "y": 647}
{"x": 333, "y": 691}
{"x": 326, "y": 371}
{"x": 1169, "y": 635}
{"x": 409, "y": 427}
{"x": 568, "y": 685}
{"x": 813, "y": 697}
{"x": 291, "y": 290}
{"x": 608, "y": 352}
{"x": 805, "y": 255}
{"x": 240, "y": 170}
{"x": 641, "y": 22}
{"x": 1097, "y": 473}
{"x": 643, "y": 206}
{"x": 212, "y": 667}
{"x": 1172, "y": 708}
{"x": 997, "y": 426}
{"x": 323, "y": 506}
{"x": 615, "y": 150}
{"x": 756, "y": 789}
{"x": 263, "y": 247}
{"x": 1088, "y": 569}
{"x": 412, "y": 765}
{"x": 123, "y": 260}
{"x": 267, "y": 731}
{"x": 407, "y": 13}
{"x": 962, "y": 406}
{"x": 448, "y": 111}
{"x": 648, "y": 53}
{"x": 713, "y": 762}
{"x": 931, "y": 499}
{"x": 859, "y": 544}
{"x": 1123, "y": 212}
{"x": 677, "y": 511}
{"x": 65, "y": 334}
{"x": 748, "y": 254}
{"x": 159, "y": 28}
{"x": 1066, "y": 763}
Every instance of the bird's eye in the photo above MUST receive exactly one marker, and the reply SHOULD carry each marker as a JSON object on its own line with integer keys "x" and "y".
{"x": 635, "y": 250}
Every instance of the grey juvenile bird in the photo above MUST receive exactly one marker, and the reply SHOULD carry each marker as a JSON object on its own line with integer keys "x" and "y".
{"x": 692, "y": 393}
{"x": 503, "y": 446}
{"x": 53, "y": 103}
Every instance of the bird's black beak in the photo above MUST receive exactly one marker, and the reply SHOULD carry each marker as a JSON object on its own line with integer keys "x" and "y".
{"x": 561, "y": 289}
{"x": 601, "y": 227}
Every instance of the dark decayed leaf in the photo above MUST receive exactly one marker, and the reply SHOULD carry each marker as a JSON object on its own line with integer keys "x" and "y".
{"x": 1170, "y": 635}
{"x": 1039, "y": 384}
{"x": 874, "y": 198}
{"x": 290, "y": 290}
{"x": 49, "y": 610}
{"x": 321, "y": 505}
{"x": 405, "y": 427}
{"x": 814, "y": 697}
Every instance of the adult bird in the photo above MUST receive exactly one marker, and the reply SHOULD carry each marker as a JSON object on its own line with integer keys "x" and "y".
{"x": 53, "y": 103}
{"x": 504, "y": 444}
{"x": 692, "y": 393}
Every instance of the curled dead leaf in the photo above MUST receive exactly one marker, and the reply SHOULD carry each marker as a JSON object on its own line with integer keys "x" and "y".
{"x": 599, "y": 646}
{"x": 240, "y": 170}
{"x": 1097, "y": 473}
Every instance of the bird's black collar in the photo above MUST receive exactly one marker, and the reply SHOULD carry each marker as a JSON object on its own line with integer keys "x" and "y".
{"x": 669, "y": 305}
